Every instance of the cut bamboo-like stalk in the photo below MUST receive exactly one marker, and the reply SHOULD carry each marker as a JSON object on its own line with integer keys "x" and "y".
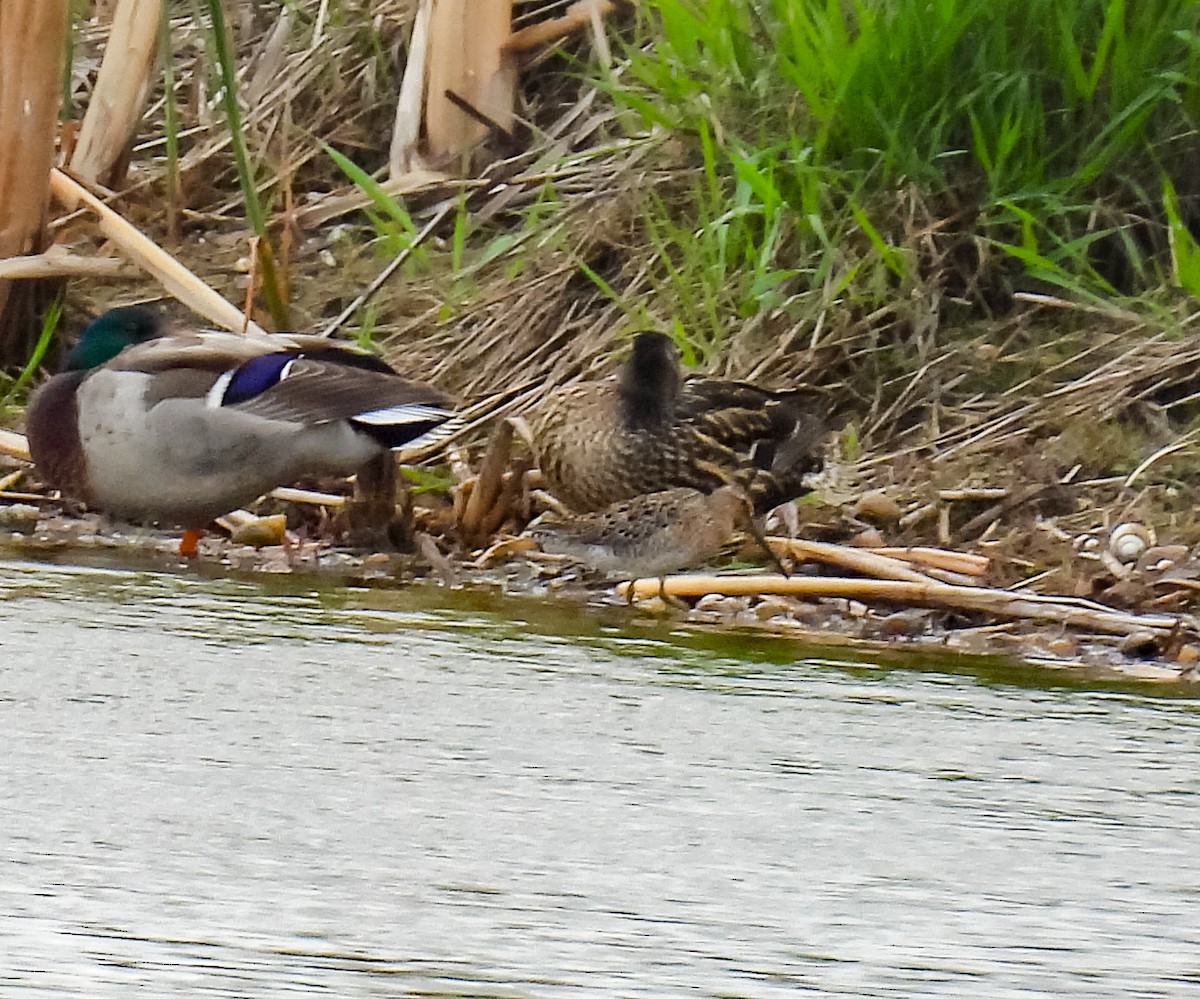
{"x": 120, "y": 94}
{"x": 1069, "y": 611}
{"x": 143, "y": 251}
{"x": 467, "y": 57}
{"x": 32, "y": 44}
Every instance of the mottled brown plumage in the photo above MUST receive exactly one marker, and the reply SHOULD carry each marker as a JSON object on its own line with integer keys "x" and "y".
{"x": 648, "y": 429}
{"x": 649, "y": 535}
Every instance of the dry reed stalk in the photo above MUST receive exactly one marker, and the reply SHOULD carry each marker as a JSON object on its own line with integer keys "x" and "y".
{"x": 143, "y": 251}
{"x": 326, "y": 208}
{"x": 487, "y": 490}
{"x": 120, "y": 94}
{"x": 32, "y": 45}
{"x": 1068, "y": 611}
{"x": 578, "y": 17}
{"x": 14, "y": 445}
{"x": 290, "y": 494}
{"x": 53, "y": 264}
{"x": 862, "y": 560}
{"x": 406, "y": 132}
{"x": 963, "y": 563}
{"x": 467, "y": 59}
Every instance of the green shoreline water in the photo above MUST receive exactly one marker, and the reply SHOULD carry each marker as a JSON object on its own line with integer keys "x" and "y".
{"x": 386, "y": 606}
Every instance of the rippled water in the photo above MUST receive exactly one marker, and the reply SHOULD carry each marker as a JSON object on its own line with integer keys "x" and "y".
{"x": 215, "y": 787}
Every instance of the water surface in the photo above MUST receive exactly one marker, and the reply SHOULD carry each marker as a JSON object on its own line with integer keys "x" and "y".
{"x": 254, "y": 788}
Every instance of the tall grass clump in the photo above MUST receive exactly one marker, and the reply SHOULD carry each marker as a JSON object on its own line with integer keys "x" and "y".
{"x": 272, "y": 280}
{"x": 1036, "y": 137}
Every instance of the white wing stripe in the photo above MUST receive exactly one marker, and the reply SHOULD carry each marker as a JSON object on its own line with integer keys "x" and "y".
{"x": 433, "y": 436}
{"x": 216, "y": 394}
{"x": 396, "y": 415}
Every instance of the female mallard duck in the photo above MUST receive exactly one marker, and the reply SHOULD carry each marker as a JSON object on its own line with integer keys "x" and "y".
{"x": 179, "y": 429}
{"x": 648, "y": 429}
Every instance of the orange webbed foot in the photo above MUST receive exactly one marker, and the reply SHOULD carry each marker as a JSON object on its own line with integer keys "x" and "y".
{"x": 188, "y": 544}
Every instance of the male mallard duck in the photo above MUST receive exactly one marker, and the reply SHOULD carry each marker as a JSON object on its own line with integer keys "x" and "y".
{"x": 649, "y": 535}
{"x": 649, "y": 429}
{"x": 181, "y": 428}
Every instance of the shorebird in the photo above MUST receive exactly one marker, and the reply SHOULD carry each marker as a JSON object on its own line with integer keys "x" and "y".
{"x": 650, "y": 535}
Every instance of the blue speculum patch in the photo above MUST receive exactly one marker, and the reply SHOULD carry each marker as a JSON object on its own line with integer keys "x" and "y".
{"x": 256, "y": 376}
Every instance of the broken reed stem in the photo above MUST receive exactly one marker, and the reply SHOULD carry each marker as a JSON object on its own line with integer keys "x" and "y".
{"x": 862, "y": 560}
{"x": 143, "y": 251}
{"x": 578, "y": 17}
{"x": 1069, "y": 611}
{"x": 63, "y": 264}
{"x": 14, "y": 445}
{"x": 406, "y": 131}
{"x": 467, "y": 58}
{"x": 122, "y": 83}
{"x": 289, "y": 494}
{"x": 940, "y": 558}
{"x": 488, "y": 485}
{"x": 32, "y": 48}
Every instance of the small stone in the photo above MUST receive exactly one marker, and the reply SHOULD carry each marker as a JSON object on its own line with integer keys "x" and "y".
{"x": 260, "y": 532}
{"x": 718, "y": 603}
{"x": 653, "y": 605}
{"x": 1142, "y": 644}
{"x": 810, "y": 613}
{"x": 1063, "y": 647}
{"x": 19, "y": 516}
{"x": 1188, "y": 655}
{"x": 878, "y": 507}
{"x": 771, "y": 607}
{"x": 274, "y": 560}
{"x": 903, "y": 624}
{"x": 870, "y": 538}
{"x": 1162, "y": 557}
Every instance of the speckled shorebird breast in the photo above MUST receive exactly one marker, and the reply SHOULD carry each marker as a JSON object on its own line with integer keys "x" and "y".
{"x": 649, "y": 535}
